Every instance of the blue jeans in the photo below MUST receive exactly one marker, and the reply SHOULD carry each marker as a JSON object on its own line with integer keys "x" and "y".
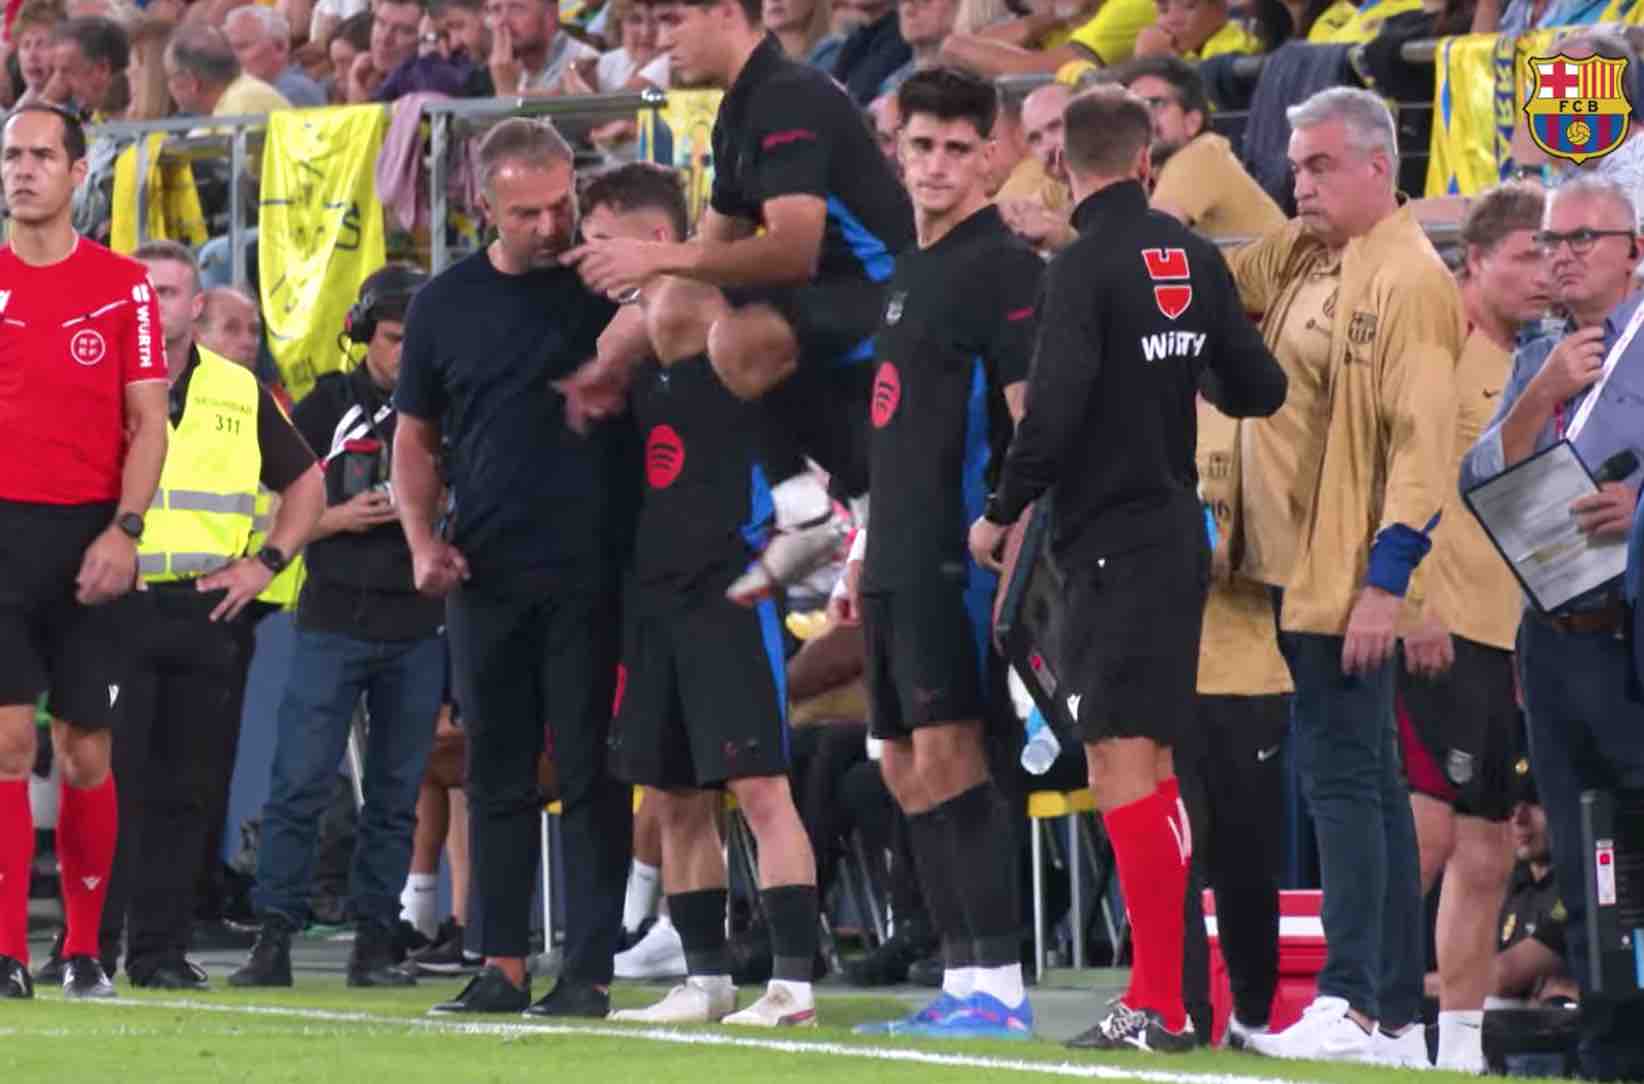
{"x": 1586, "y": 733}
{"x": 402, "y": 683}
{"x": 1347, "y": 756}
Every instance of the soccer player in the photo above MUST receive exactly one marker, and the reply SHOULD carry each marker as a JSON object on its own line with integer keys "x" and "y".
{"x": 785, "y": 314}
{"x": 704, "y": 703}
{"x": 954, "y": 348}
{"x": 82, "y": 441}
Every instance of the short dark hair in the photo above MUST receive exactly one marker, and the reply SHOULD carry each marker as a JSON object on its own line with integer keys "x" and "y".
{"x": 1502, "y": 210}
{"x": 950, "y": 94}
{"x": 74, "y": 132}
{"x": 1183, "y": 78}
{"x": 1107, "y": 127}
{"x": 98, "y": 39}
{"x": 356, "y": 31}
{"x": 520, "y": 139}
{"x": 753, "y": 9}
{"x": 437, "y": 8}
{"x": 636, "y": 186}
{"x": 163, "y": 249}
{"x": 204, "y": 52}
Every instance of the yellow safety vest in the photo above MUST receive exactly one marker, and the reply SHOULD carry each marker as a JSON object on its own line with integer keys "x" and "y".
{"x": 282, "y": 590}
{"x": 200, "y": 519}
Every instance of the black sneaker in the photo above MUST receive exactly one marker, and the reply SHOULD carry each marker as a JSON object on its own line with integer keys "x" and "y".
{"x": 174, "y": 973}
{"x": 488, "y": 992}
{"x": 374, "y": 959}
{"x": 927, "y": 972}
{"x": 888, "y": 964}
{"x": 406, "y": 940}
{"x": 571, "y": 998}
{"x": 446, "y": 956}
{"x": 84, "y": 977}
{"x": 220, "y": 934}
{"x": 270, "y": 960}
{"x": 15, "y": 983}
{"x": 1124, "y": 1028}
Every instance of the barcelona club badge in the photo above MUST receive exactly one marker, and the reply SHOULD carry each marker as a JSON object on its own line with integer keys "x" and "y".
{"x": 1578, "y": 109}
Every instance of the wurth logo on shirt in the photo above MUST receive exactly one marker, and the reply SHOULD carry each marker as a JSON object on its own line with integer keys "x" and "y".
{"x": 792, "y": 135}
{"x": 1167, "y": 265}
{"x": 1172, "y": 344}
{"x": 143, "y": 295}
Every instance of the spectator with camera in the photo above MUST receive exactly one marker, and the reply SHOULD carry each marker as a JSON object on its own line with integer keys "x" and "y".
{"x": 362, "y": 630}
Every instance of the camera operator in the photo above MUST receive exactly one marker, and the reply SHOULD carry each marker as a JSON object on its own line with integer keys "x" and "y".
{"x": 362, "y": 629}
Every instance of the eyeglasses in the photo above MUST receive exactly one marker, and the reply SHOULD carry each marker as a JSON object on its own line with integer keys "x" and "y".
{"x": 1580, "y": 241}
{"x": 1156, "y": 104}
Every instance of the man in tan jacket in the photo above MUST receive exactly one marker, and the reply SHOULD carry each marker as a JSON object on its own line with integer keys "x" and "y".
{"x": 1341, "y": 489}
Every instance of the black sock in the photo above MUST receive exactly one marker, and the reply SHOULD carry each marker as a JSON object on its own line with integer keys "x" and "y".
{"x": 979, "y": 831}
{"x": 700, "y": 919}
{"x": 933, "y": 858}
{"x": 791, "y": 911}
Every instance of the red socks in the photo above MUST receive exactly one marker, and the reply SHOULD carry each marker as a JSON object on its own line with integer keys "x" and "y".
{"x": 16, "y": 862}
{"x": 1152, "y": 845}
{"x": 87, "y": 829}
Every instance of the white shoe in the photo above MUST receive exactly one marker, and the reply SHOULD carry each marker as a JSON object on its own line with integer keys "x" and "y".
{"x": 1407, "y": 1051}
{"x": 1237, "y": 1034}
{"x": 696, "y": 1001}
{"x": 1324, "y": 1033}
{"x": 777, "y": 1009}
{"x": 789, "y": 557}
{"x": 658, "y": 955}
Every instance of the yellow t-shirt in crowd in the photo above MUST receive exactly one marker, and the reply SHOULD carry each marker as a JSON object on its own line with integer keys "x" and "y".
{"x": 249, "y": 96}
{"x": 1110, "y": 34}
{"x": 1331, "y": 21}
{"x": 1205, "y": 184}
{"x": 1231, "y": 38}
{"x": 1366, "y": 22}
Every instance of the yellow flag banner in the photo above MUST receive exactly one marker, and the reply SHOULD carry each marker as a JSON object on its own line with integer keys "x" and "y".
{"x": 173, "y": 203}
{"x": 681, "y": 135}
{"x": 1479, "y": 87}
{"x": 320, "y": 232}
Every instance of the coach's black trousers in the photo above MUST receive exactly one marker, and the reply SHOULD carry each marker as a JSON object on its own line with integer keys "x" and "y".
{"x": 176, "y": 731}
{"x": 1232, "y": 781}
{"x": 522, "y": 658}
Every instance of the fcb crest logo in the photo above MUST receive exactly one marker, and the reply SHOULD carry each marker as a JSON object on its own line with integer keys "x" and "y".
{"x": 1578, "y": 109}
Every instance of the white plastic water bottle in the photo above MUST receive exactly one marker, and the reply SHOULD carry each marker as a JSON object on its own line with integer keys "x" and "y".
{"x": 1042, "y": 748}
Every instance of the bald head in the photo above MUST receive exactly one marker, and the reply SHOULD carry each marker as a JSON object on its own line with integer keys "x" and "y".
{"x": 229, "y": 325}
{"x": 1043, "y": 126}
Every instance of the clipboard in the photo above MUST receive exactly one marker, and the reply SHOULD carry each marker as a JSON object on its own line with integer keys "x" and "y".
{"x": 1535, "y": 547}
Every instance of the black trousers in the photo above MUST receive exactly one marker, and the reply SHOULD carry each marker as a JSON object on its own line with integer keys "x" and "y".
{"x": 1232, "y": 782}
{"x": 522, "y": 658}
{"x": 174, "y": 745}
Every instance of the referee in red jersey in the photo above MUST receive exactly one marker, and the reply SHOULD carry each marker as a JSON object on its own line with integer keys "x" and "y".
{"x": 82, "y": 440}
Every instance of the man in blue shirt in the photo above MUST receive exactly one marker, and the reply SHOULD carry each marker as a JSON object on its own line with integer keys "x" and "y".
{"x": 1586, "y": 732}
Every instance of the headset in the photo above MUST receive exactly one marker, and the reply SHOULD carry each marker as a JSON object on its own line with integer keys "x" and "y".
{"x": 396, "y": 282}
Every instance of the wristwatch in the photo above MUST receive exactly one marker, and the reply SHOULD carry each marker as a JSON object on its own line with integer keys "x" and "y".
{"x": 131, "y": 525}
{"x": 991, "y": 512}
{"x": 273, "y": 559}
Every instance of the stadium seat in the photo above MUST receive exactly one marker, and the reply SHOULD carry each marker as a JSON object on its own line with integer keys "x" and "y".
{"x": 1069, "y": 807}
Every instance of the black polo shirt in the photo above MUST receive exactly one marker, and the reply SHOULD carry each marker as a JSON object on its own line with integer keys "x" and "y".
{"x": 959, "y": 328}
{"x": 536, "y": 504}
{"x": 1533, "y": 909}
{"x": 786, "y": 129}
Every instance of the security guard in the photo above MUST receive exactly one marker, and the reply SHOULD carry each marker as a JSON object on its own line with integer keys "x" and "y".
{"x": 182, "y": 695}
{"x": 1137, "y": 316}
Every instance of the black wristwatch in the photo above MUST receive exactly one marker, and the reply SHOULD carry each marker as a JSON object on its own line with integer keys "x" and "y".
{"x": 131, "y": 525}
{"x": 991, "y": 513}
{"x": 273, "y": 559}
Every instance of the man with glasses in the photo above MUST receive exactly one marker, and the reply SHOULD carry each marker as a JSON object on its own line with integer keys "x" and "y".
{"x": 1586, "y": 729}
{"x": 1342, "y": 488}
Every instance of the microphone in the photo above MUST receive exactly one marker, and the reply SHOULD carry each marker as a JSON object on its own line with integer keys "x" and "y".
{"x": 1617, "y": 467}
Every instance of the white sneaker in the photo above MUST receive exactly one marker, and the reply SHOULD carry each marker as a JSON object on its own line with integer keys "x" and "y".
{"x": 789, "y": 557}
{"x": 1407, "y": 1051}
{"x": 777, "y": 1009}
{"x": 1237, "y": 1034}
{"x": 696, "y": 1001}
{"x": 658, "y": 955}
{"x": 1324, "y": 1033}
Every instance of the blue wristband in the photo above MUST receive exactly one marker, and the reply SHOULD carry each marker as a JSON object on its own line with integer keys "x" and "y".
{"x": 1395, "y": 554}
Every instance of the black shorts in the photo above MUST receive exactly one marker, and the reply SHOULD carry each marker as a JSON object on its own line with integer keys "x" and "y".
{"x": 1460, "y": 732}
{"x": 49, "y": 642}
{"x": 704, "y": 697}
{"x": 1130, "y": 632}
{"x": 834, "y": 320}
{"x": 928, "y": 658}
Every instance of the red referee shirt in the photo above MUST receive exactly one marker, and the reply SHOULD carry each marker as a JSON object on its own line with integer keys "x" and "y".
{"x": 72, "y": 336}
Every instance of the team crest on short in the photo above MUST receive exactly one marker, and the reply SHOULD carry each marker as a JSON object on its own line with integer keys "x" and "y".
{"x": 1578, "y": 109}
{"x": 893, "y": 311}
{"x": 1459, "y": 767}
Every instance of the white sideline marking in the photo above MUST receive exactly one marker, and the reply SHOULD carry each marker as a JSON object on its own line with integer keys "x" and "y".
{"x": 714, "y": 1038}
